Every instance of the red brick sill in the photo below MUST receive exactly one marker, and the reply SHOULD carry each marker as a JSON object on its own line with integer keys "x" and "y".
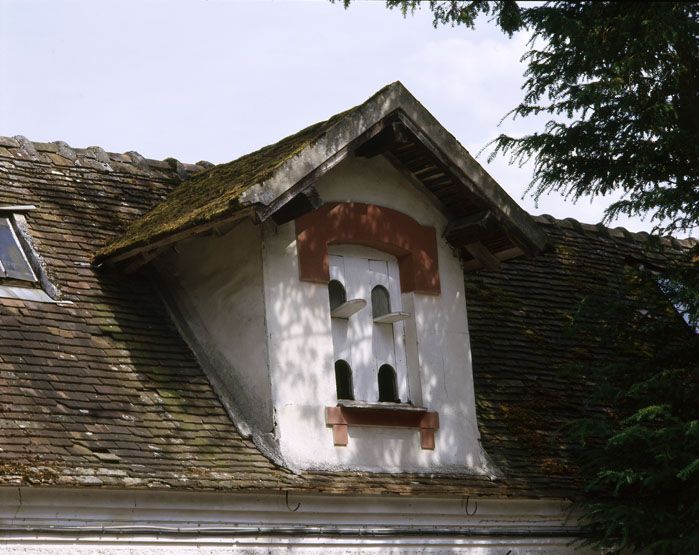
{"x": 394, "y": 415}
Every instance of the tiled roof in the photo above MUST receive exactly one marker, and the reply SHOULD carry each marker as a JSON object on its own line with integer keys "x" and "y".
{"x": 529, "y": 365}
{"x": 104, "y": 392}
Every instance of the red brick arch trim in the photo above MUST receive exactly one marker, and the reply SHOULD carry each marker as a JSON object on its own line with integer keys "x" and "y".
{"x": 385, "y": 229}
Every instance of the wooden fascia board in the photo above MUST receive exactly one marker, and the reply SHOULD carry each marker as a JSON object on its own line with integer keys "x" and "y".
{"x": 168, "y": 240}
{"x": 519, "y": 225}
{"x": 308, "y": 181}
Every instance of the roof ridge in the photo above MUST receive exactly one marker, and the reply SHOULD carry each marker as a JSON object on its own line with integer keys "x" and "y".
{"x": 60, "y": 153}
{"x": 618, "y": 232}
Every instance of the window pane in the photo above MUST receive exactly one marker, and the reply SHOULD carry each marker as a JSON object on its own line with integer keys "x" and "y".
{"x": 337, "y": 294}
{"x": 380, "y": 301}
{"x": 388, "y": 388}
{"x": 13, "y": 263}
{"x": 343, "y": 380}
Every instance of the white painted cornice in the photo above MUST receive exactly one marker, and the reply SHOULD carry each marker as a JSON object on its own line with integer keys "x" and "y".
{"x": 53, "y": 509}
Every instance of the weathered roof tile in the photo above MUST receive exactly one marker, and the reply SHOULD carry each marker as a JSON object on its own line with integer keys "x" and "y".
{"x": 83, "y": 380}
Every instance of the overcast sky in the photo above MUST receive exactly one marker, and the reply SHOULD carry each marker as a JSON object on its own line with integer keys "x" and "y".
{"x": 212, "y": 80}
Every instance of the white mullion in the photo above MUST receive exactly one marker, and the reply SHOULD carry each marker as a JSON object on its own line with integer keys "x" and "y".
{"x": 357, "y": 271}
{"x": 398, "y": 330}
{"x": 383, "y": 350}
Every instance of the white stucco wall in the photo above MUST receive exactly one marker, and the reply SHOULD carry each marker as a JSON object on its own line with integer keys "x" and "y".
{"x": 301, "y": 347}
{"x": 216, "y": 284}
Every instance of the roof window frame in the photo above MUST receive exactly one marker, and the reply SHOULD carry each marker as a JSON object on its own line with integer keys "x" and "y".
{"x": 24, "y": 274}
{"x": 41, "y": 288}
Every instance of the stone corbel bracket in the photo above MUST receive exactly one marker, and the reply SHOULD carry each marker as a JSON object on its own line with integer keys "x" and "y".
{"x": 390, "y": 415}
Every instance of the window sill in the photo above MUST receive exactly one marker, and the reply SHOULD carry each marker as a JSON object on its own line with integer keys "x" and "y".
{"x": 390, "y": 415}
{"x": 28, "y": 294}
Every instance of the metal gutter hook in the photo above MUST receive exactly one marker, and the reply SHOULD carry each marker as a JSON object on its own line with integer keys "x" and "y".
{"x": 475, "y": 507}
{"x": 298, "y": 505}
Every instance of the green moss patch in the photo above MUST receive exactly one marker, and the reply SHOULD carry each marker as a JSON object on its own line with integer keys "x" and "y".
{"x": 214, "y": 193}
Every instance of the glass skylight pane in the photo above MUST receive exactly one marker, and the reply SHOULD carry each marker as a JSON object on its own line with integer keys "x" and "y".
{"x": 13, "y": 263}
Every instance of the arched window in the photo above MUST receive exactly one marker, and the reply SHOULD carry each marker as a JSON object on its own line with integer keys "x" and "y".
{"x": 388, "y": 388}
{"x": 343, "y": 380}
{"x": 380, "y": 301}
{"x": 337, "y": 294}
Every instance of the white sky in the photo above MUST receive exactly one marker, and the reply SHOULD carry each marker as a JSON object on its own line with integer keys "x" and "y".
{"x": 212, "y": 80}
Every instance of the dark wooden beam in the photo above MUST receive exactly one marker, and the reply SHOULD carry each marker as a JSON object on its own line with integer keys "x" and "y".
{"x": 481, "y": 253}
{"x": 301, "y": 204}
{"x": 474, "y": 224}
{"x": 395, "y": 134}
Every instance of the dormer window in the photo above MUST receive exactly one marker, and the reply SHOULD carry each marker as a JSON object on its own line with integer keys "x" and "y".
{"x": 14, "y": 265}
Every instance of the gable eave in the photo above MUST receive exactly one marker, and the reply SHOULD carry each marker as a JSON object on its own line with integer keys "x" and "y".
{"x": 396, "y": 100}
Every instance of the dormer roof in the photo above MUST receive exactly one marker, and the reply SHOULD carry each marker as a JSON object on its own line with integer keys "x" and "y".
{"x": 277, "y": 181}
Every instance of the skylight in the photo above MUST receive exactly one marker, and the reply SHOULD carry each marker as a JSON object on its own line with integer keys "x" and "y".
{"x": 13, "y": 261}
{"x": 22, "y": 272}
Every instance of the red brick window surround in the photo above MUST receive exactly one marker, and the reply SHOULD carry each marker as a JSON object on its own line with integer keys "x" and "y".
{"x": 378, "y": 227}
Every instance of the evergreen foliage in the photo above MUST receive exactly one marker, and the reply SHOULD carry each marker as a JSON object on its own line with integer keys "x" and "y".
{"x": 619, "y": 82}
{"x": 639, "y": 448}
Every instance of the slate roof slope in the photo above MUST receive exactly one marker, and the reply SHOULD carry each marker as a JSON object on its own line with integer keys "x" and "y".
{"x": 104, "y": 392}
{"x": 528, "y": 364}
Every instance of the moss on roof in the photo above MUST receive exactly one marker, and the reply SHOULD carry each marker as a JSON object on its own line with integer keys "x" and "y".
{"x": 213, "y": 194}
